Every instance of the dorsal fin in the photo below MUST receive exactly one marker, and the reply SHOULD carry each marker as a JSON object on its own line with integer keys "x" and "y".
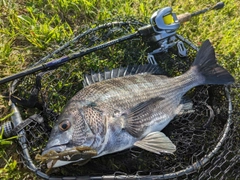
{"x": 121, "y": 72}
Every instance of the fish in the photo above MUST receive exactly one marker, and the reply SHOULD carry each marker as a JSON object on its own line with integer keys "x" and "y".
{"x": 129, "y": 107}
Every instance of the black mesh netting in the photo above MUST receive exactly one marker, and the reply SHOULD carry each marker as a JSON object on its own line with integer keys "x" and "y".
{"x": 206, "y": 137}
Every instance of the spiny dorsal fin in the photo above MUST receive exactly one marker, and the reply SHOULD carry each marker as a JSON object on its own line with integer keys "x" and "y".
{"x": 121, "y": 72}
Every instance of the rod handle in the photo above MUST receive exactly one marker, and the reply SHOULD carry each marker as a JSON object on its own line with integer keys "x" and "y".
{"x": 184, "y": 17}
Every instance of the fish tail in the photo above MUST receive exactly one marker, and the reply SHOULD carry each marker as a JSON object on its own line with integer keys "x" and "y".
{"x": 206, "y": 65}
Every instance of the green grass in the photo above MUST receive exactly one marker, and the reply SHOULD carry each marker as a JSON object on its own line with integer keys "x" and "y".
{"x": 29, "y": 28}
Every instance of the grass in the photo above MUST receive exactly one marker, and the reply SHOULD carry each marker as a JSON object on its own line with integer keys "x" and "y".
{"x": 29, "y": 28}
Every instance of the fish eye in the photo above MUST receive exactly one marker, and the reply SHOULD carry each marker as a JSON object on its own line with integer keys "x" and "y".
{"x": 64, "y": 125}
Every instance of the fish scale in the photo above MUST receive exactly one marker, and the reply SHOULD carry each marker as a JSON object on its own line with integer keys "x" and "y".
{"x": 130, "y": 93}
{"x": 119, "y": 109}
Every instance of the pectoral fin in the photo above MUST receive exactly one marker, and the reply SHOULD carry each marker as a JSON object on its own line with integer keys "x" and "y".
{"x": 139, "y": 116}
{"x": 156, "y": 142}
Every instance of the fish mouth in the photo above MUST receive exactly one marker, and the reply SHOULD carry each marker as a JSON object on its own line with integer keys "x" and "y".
{"x": 55, "y": 149}
{"x": 62, "y": 155}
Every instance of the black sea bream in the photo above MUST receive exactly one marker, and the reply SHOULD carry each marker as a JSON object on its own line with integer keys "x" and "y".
{"x": 118, "y": 113}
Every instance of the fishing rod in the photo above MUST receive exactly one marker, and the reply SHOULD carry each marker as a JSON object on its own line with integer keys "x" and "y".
{"x": 161, "y": 20}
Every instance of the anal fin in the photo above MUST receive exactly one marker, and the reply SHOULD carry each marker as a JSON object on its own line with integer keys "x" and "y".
{"x": 187, "y": 107}
{"x": 156, "y": 142}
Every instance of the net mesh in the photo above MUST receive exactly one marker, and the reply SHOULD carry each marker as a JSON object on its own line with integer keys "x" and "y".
{"x": 195, "y": 133}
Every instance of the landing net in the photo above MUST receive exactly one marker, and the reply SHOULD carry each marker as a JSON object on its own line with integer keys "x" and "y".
{"x": 207, "y": 137}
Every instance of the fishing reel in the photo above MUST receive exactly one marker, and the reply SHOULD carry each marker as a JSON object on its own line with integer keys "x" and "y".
{"x": 165, "y": 24}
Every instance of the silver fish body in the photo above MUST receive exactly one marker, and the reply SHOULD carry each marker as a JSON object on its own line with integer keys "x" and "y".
{"x": 118, "y": 113}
